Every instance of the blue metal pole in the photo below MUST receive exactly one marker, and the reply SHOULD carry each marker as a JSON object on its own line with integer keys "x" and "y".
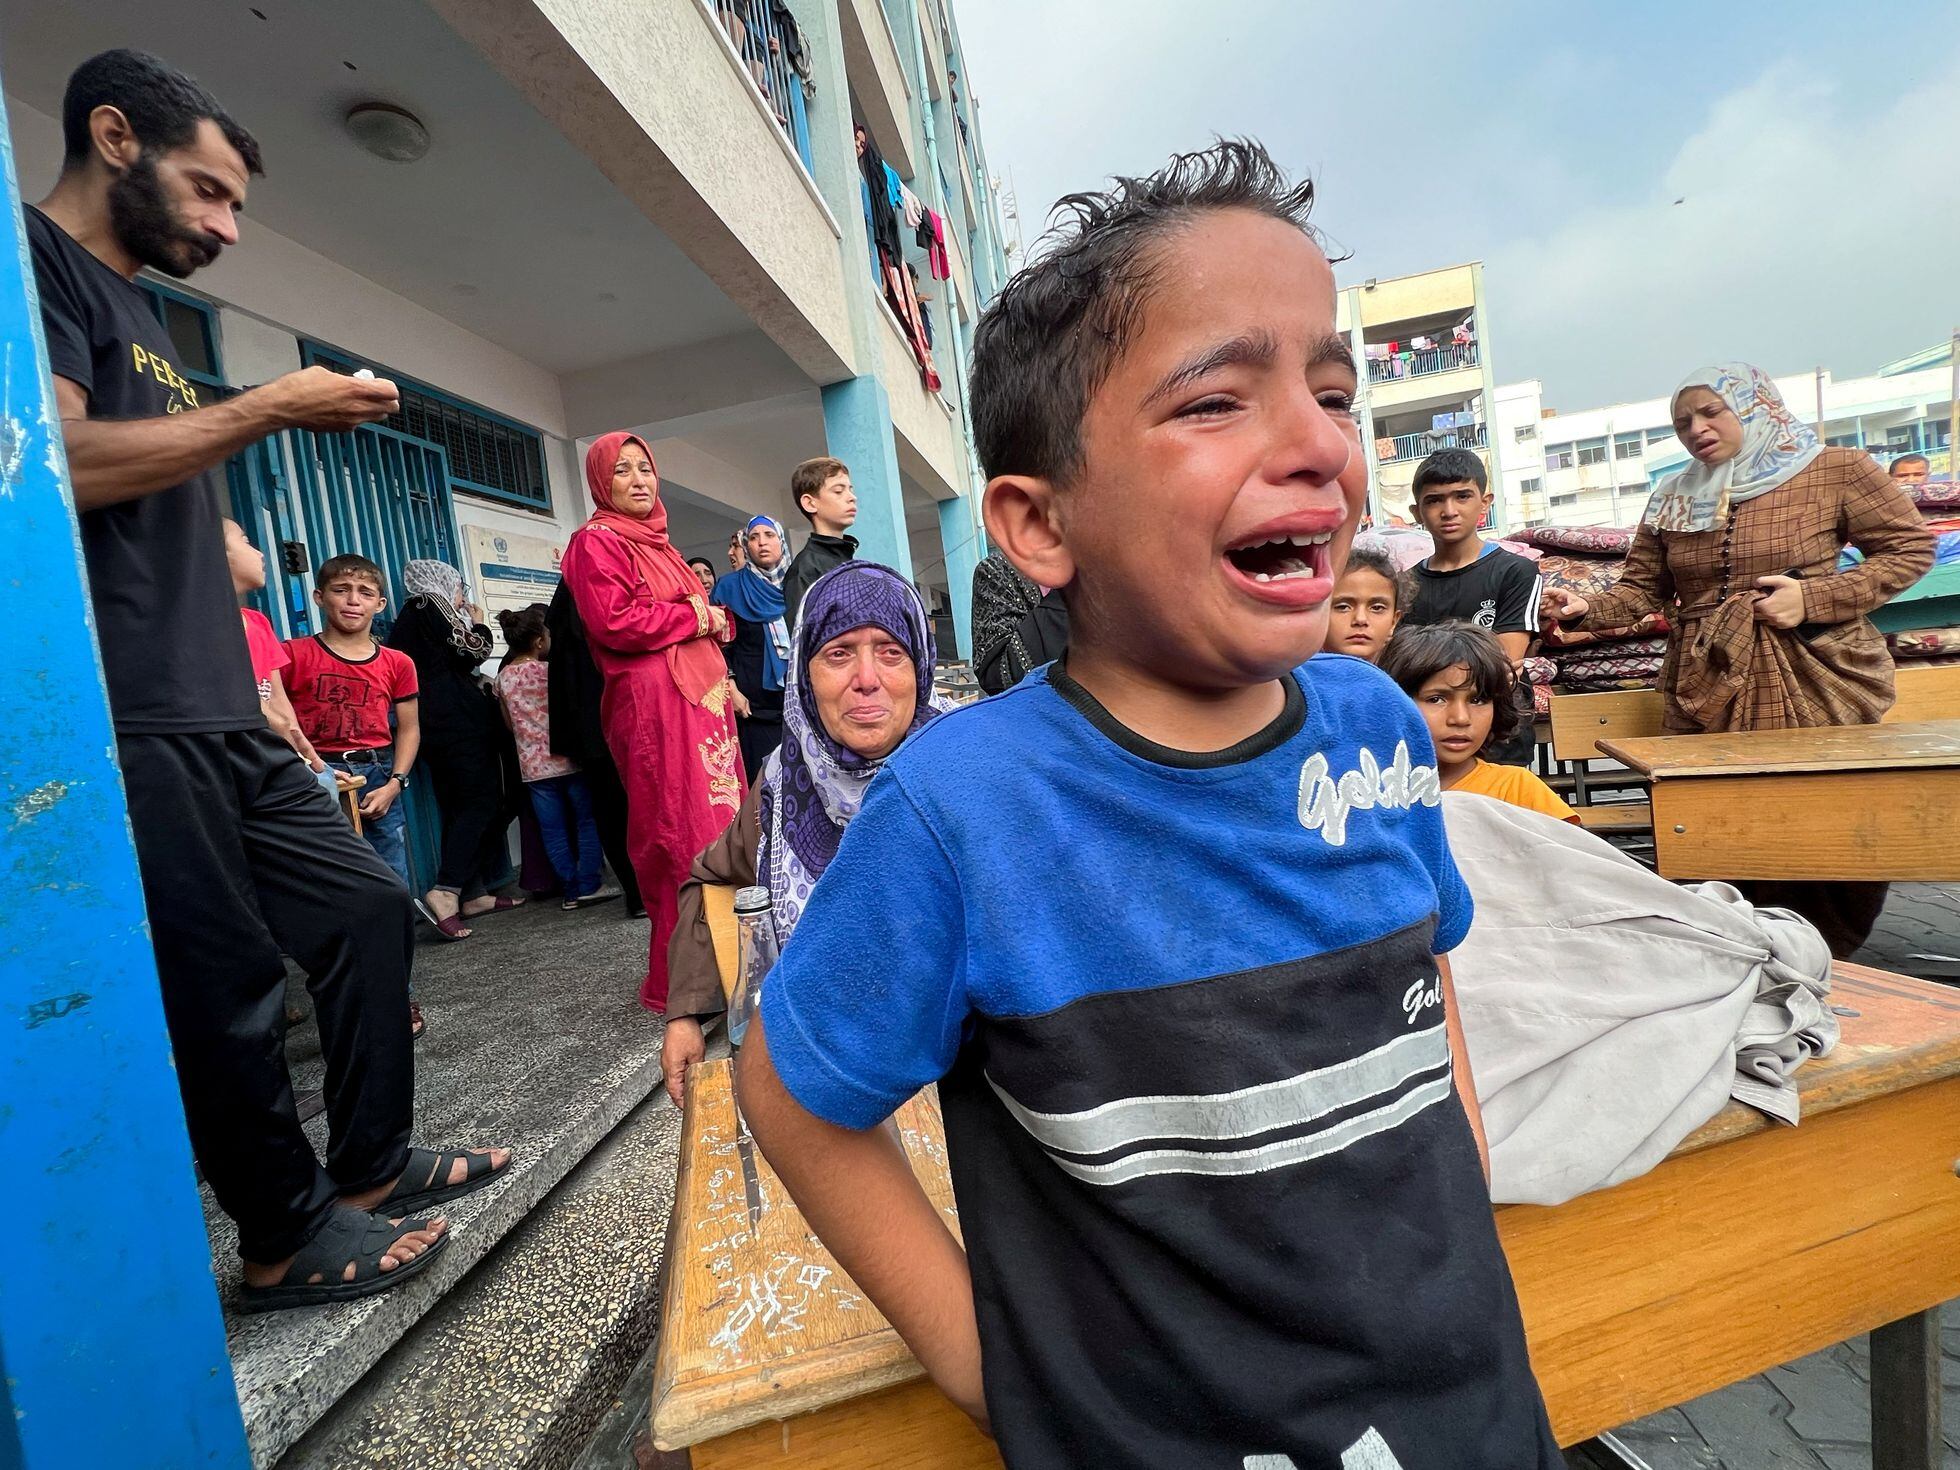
{"x": 109, "y": 1323}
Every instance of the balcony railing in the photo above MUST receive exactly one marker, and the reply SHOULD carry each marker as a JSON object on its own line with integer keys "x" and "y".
{"x": 1415, "y": 446}
{"x": 1422, "y": 362}
{"x": 768, "y": 44}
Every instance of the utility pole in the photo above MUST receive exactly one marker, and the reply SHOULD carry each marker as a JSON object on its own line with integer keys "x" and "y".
{"x": 1820, "y": 402}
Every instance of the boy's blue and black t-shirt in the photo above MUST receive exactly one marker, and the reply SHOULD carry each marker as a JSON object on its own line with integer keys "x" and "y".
{"x": 1221, "y": 1203}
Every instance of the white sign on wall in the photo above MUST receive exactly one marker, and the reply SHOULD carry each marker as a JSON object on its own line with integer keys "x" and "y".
{"x": 510, "y": 571}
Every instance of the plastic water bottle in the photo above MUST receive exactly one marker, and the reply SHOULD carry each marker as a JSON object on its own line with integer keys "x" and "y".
{"x": 755, "y": 955}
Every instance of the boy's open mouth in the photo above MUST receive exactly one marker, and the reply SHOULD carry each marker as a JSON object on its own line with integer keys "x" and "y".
{"x": 1283, "y": 558}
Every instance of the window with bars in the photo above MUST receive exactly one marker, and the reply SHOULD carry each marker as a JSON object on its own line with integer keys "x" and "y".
{"x": 1627, "y": 446}
{"x": 192, "y": 326}
{"x": 489, "y": 455}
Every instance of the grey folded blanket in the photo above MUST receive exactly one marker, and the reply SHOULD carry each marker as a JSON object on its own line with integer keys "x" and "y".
{"x": 1608, "y": 1012}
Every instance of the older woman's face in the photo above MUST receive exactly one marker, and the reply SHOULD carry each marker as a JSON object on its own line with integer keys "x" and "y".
{"x": 866, "y": 690}
{"x": 765, "y": 547}
{"x": 634, "y": 483}
{"x": 1706, "y": 426}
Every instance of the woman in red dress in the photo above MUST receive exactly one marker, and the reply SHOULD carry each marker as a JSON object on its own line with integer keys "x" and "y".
{"x": 666, "y": 706}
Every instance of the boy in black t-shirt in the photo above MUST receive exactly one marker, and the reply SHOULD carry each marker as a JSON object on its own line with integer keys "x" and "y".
{"x": 1464, "y": 579}
{"x": 242, "y": 854}
{"x": 1209, "y": 1121}
{"x": 822, "y": 490}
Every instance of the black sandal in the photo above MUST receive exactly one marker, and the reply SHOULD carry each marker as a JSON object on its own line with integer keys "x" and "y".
{"x": 417, "y": 1189}
{"x": 318, "y": 1273}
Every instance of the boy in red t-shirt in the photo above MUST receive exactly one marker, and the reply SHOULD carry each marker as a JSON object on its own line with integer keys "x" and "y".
{"x": 247, "y": 565}
{"x": 344, "y": 688}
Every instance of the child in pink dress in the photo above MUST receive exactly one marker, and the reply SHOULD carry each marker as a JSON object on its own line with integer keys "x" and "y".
{"x": 558, "y": 792}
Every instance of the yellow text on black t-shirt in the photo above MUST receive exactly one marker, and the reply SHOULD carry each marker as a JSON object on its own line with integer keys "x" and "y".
{"x": 183, "y": 394}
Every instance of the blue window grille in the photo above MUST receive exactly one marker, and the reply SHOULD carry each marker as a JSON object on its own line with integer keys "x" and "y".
{"x": 764, "y": 36}
{"x": 489, "y": 455}
{"x": 193, "y": 329}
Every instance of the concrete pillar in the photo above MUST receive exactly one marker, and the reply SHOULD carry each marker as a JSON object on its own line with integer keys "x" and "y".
{"x": 109, "y": 1324}
{"x": 856, "y": 412}
{"x": 961, "y": 539}
{"x": 857, "y": 424}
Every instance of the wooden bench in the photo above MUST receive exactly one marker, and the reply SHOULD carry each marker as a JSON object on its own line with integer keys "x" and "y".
{"x": 1925, "y": 694}
{"x": 1751, "y": 1245}
{"x": 1579, "y": 722}
{"x": 1850, "y": 803}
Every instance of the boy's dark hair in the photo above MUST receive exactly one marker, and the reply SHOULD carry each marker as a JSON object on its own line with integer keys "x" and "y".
{"x": 1909, "y": 459}
{"x": 1051, "y": 336}
{"x": 163, "y": 106}
{"x": 1372, "y": 559}
{"x": 523, "y": 627}
{"x": 809, "y": 477}
{"x": 340, "y": 566}
{"x": 1416, "y": 655}
{"x": 1449, "y": 467}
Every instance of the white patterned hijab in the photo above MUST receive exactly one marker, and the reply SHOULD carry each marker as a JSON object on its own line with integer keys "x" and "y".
{"x": 1776, "y": 447}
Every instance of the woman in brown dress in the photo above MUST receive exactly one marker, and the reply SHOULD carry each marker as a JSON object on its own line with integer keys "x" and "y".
{"x": 1740, "y": 551}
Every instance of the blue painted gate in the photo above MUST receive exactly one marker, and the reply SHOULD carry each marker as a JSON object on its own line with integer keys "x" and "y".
{"x": 372, "y": 492}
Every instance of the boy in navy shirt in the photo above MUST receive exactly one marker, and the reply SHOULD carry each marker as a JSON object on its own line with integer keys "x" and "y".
{"x": 1164, "y": 920}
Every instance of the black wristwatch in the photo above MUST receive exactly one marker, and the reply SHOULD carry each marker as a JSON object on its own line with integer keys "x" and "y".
{"x": 400, "y": 776}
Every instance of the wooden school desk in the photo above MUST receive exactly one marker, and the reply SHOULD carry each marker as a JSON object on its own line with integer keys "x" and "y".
{"x": 1751, "y": 1245}
{"x": 1847, "y": 802}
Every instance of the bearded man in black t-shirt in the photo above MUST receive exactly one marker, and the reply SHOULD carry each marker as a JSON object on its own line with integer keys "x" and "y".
{"x": 242, "y": 854}
{"x": 1468, "y": 580}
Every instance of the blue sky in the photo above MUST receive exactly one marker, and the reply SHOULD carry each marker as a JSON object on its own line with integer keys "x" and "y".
{"x": 1817, "y": 158}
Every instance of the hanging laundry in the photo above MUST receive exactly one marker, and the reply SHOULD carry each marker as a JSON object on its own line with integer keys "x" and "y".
{"x": 894, "y": 187}
{"x": 795, "y": 48}
{"x": 937, "y": 260}
{"x": 909, "y": 206}
{"x": 879, "y": 199}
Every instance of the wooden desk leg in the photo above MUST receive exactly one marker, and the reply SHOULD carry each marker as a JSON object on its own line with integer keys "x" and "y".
{"x": 1906, "y": 1394}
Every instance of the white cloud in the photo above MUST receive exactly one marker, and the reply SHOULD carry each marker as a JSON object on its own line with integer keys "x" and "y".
{"x": 1804, "y": 236}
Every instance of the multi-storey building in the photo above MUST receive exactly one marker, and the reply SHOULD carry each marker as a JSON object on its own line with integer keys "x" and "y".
{"x": 552, "y": 218}
{"x": 1595, "y": 466}
{"x": 1423, "y": 345}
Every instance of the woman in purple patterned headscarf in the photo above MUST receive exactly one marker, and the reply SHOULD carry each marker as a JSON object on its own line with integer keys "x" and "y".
{"x": 859, "y": 682}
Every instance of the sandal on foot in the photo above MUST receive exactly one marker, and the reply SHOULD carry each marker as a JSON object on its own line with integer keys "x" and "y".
{"x": 418, "y": 1188}
{"x": 416, "y": 1025}
{"x": 318, "y": 1273}
{"x": 454, "y": 927}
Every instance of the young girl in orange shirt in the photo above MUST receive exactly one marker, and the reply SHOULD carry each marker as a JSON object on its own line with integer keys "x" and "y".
{"x": 1461, "y": 681}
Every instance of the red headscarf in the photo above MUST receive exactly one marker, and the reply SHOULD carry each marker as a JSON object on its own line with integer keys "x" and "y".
{"x": 696, "y": 663}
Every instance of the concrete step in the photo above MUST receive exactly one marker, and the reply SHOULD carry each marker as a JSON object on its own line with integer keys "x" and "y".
{"x": 537, "y": 1040}
{"x": 520, "y": 1360}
